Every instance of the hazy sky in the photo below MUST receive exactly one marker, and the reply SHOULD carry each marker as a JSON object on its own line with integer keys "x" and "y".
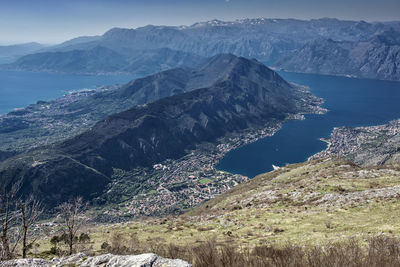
{"x": 52, "y": 21}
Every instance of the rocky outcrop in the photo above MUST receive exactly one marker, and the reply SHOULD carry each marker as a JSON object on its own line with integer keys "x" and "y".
{"x": 109, "y": 260}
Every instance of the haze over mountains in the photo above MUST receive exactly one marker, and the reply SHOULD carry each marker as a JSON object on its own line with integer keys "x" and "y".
{"x": 227, "y": 94}
{"x": 100, "y": 59}
{"x": 10, "y": 53}
{"x": 268, "y": 40}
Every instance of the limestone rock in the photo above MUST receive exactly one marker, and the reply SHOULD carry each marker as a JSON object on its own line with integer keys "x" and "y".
{"x": 106, "y": 260}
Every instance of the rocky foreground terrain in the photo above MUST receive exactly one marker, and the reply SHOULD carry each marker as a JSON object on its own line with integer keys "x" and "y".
{"x": 109, "y": 260}
{"x": 316, "y": 203}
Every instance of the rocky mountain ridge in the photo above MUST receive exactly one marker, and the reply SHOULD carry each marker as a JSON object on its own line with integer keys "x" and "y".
{"x": 267, "y": 40}
{"x": 262, "y": 38}
{"x": 47, "y": 122}
{"x": 375, "y": 58}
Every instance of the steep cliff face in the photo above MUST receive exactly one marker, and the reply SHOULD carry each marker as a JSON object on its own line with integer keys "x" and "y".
{"x": 376, "y": 58}
{"x": 247, "y": 94}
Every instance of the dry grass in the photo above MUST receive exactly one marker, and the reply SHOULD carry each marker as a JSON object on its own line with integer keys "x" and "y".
{"x": 377, "y": 251}
{"x": 244, "y": 219}
{"x": 245, "y": 227}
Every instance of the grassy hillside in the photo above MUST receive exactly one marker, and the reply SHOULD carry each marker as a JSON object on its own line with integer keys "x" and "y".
{"x": 310, "y": 203}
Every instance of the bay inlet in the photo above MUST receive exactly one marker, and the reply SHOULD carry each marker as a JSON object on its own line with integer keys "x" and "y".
{"x": 350, "y": 102}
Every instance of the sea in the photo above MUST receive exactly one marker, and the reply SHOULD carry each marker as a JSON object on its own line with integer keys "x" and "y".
{"x": 350, "y": 102}
{"x": 18, "y": 89}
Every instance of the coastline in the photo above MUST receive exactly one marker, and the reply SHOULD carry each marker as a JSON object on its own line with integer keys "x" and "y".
{"x": 196, "y": 174}
{"x": 364, "y": 145}
{"x": 173, "y": 186}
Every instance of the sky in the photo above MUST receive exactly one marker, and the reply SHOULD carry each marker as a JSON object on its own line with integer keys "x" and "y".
{"x": 54, "y": 21}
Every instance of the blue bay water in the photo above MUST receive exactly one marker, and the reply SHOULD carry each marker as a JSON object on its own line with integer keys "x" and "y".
{"x": 351, "y": 102}
{"x": 19, "y": 89}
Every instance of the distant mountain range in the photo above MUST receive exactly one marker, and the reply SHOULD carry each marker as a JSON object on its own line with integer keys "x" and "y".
{"x": 10, "y": 53}
{"x": 378, "y": 57}
{"x": 150, "y": 49}
{"x": 104, "y": 60}
{"x": 264, "y": 39}
{"x": 226, "y": 94}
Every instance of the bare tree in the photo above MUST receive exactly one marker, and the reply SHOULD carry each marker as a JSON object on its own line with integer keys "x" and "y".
{"x": 71, "y": 212}
{"x": 30, "y": 210}
{"x": 9, "y": 214}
